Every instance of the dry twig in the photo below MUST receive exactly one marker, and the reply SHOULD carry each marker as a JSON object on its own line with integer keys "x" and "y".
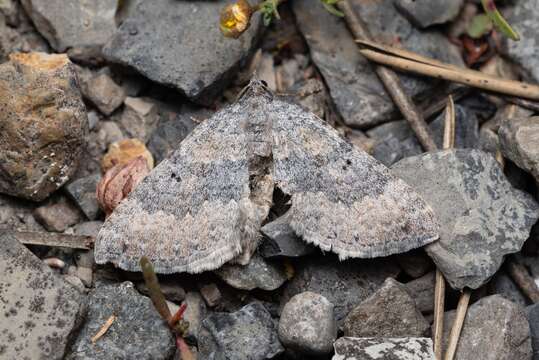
{"x": 411, "y": 62}
{"x": 391, "y": 82}
{"x": 462, "y": 308}
{"x": 523, "y": 279}
{"x": 104, "y": 328}
{"x": 52, "y": 239}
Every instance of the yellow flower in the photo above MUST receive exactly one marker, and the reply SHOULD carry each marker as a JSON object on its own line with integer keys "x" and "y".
{"x": 235, "y": 18}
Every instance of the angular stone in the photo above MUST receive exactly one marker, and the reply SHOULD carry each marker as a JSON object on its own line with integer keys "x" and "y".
{"x": 247, "y": 334}
{"x": 43, "y": 123}
{"x": 482, "y": 217}
{"x": 171, "y": 289}
{"x": 347, "y": 348}
{"x": 103, "y": 92}
{"x": 88, "y": 228}
{"x": 82, "y": 191}
{"x": 524, "y": 16}
{"x": 211, "y": 294}
{"x": 139, "y": 118}
{"x": 38, "y": 309}
{"x": 415, "y": 263}
{"x": 307, "y": 324}
{"x": 281, "y": 240}
{"x": 179, "y": 44}
{"x": 493, "y": 325}
{"x": 258, "y": 274}
{"x": 83, "y": 26}
{"x": 173, "y": 127}
{"x": 345, "y": 284}
{"x": 354, "y": 87}
{"x": 390, "y": 311}
{"x": 424, "y": 13}
{"x": 58, "y": 215}
{"x": 519, "y": 142}
{"x": 533, "y": 319}
{"x": 396, "y": 140}
{"x": 504, "y": 286}
{"x": 194, "y": 314}
{"x": 422, "y": 291}
{"x": 138, "y": 332}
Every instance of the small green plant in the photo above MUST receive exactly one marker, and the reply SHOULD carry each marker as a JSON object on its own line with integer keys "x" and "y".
{"x": 175, "y": 322}
{"x": 497, "y": 19}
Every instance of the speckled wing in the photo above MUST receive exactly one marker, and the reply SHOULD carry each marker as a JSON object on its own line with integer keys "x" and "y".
{"x": 194, "y": 211}
{"x": 342, "y": 199}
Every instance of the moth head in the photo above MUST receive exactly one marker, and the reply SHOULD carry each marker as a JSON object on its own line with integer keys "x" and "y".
{"x": 256, "y": 88}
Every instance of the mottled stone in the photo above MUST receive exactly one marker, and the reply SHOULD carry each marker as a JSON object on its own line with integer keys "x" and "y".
{"x": 532, "y": 313}
{"x": 354, "y": 86}
{"x": 211, "y": 294}
{"x": 504, "y": 286}
{"x": 396, "y": 140}
{"x": 138, "y": 332}
{"x": 42, "y": 124}
{"x": 524, "y": 18}
{"x": 415, "y": 263}
{"x": 247, "y": 334}
{"x": 424, "y": 13}
{"x": 307, "y": 324}
{"x": 140, "y": 118}
{"x": 422, "y": 291}
{"x": 347, "y": 348}
{"x": 494, "y": 326}
{"x": 38, "y": 309}
{"x": 79, "y": 26}
{"x": 179, "y": 44}
{"x": 281, "y": 240}
{"x": 82, "y": 191}
{"x": 58, "y": 215}
{"x": 258, "y": 274}
{"x": 103, "y": 92}
{"x": 344, "y": 284}
{"x": 519, "y": 142}
{"x": 390, "y": 311}
{"x": 194, "y": 314}
{"x": 482, "y": 217}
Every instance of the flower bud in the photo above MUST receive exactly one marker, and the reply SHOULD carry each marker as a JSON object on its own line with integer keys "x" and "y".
{"x": 235, "y": 18}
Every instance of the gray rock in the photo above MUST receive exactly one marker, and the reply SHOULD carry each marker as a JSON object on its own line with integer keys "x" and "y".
{"x": 482, "y": 217}
{"x": 533, "y": 319}
{"x": 38, "y": 309}
{"x": 43, "y": 122}
{"x": 173, "y": 127}
{"x": 422, "y": 291}
{"x": 312, "y": 96}
{"x": 103, "y": 92}
{"x": 345, "y": 284}
{"x": 307, "y": 324}
{"x": 258, "y": 274}
{"x": 140, "y": 118}
{"x": 138, "y": 331}
{"x": 390, "y": 311}
{"x": 83, "y": 26}
{"x": 493, "y": 326}
{"x": 247, "y": 334}
{"x": 415, "y": 263}
{"x": 196, "y": 312}
{"x": 58, "y": 215}
{"x": 211, "y": 294}
{"x": 524, "y": 17}
{"x": 354, "y": 87}
{"x": 179, "y": 44}
{"x": 88, "y": 228}
{"x": 82, "y": 191}
{"x": 504, "y": 286}
{"x": 424, "y": 13}
{"x": 281, "y": 240}
{"x": 171, "y": 289}
{"x": 518, "y": 142}
{"x": 396, "y": 140}
{"x": 347, "y": 348}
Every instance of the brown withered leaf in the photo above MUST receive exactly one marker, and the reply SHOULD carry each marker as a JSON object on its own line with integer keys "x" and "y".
{"x": 119, "y": 181}
{"x": 123, "y": 151}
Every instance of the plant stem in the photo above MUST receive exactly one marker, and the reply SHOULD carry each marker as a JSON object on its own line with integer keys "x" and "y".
{"x": 462, "y": 308}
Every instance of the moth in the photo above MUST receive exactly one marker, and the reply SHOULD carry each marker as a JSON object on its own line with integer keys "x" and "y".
{"x": 204, "y": 205}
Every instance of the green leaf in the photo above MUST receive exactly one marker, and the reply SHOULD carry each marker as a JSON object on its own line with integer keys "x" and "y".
{"x": 479, "y": 26}
{"x": 498, "y": 20}
{"x": 331, "y": 8}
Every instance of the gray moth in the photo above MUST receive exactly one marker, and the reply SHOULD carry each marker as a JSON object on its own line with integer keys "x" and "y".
{"x": 204, "y": 205}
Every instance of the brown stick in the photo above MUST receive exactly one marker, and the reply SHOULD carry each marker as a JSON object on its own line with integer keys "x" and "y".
{"x": 462, "y": 308}
{"x": 391, "y": 82}
{"x": 450, "y": 73}
{"x": 52, "y": 239}
{"x": 103, "y": 329}
{"x": 439, "y": 304}
{"x": 523, "y": 279}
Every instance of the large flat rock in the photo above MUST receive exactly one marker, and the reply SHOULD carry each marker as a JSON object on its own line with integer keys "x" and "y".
{"x": 482, "y": 217}
{"x": 179, "y": 44}
{"x": 38, "y": 309}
